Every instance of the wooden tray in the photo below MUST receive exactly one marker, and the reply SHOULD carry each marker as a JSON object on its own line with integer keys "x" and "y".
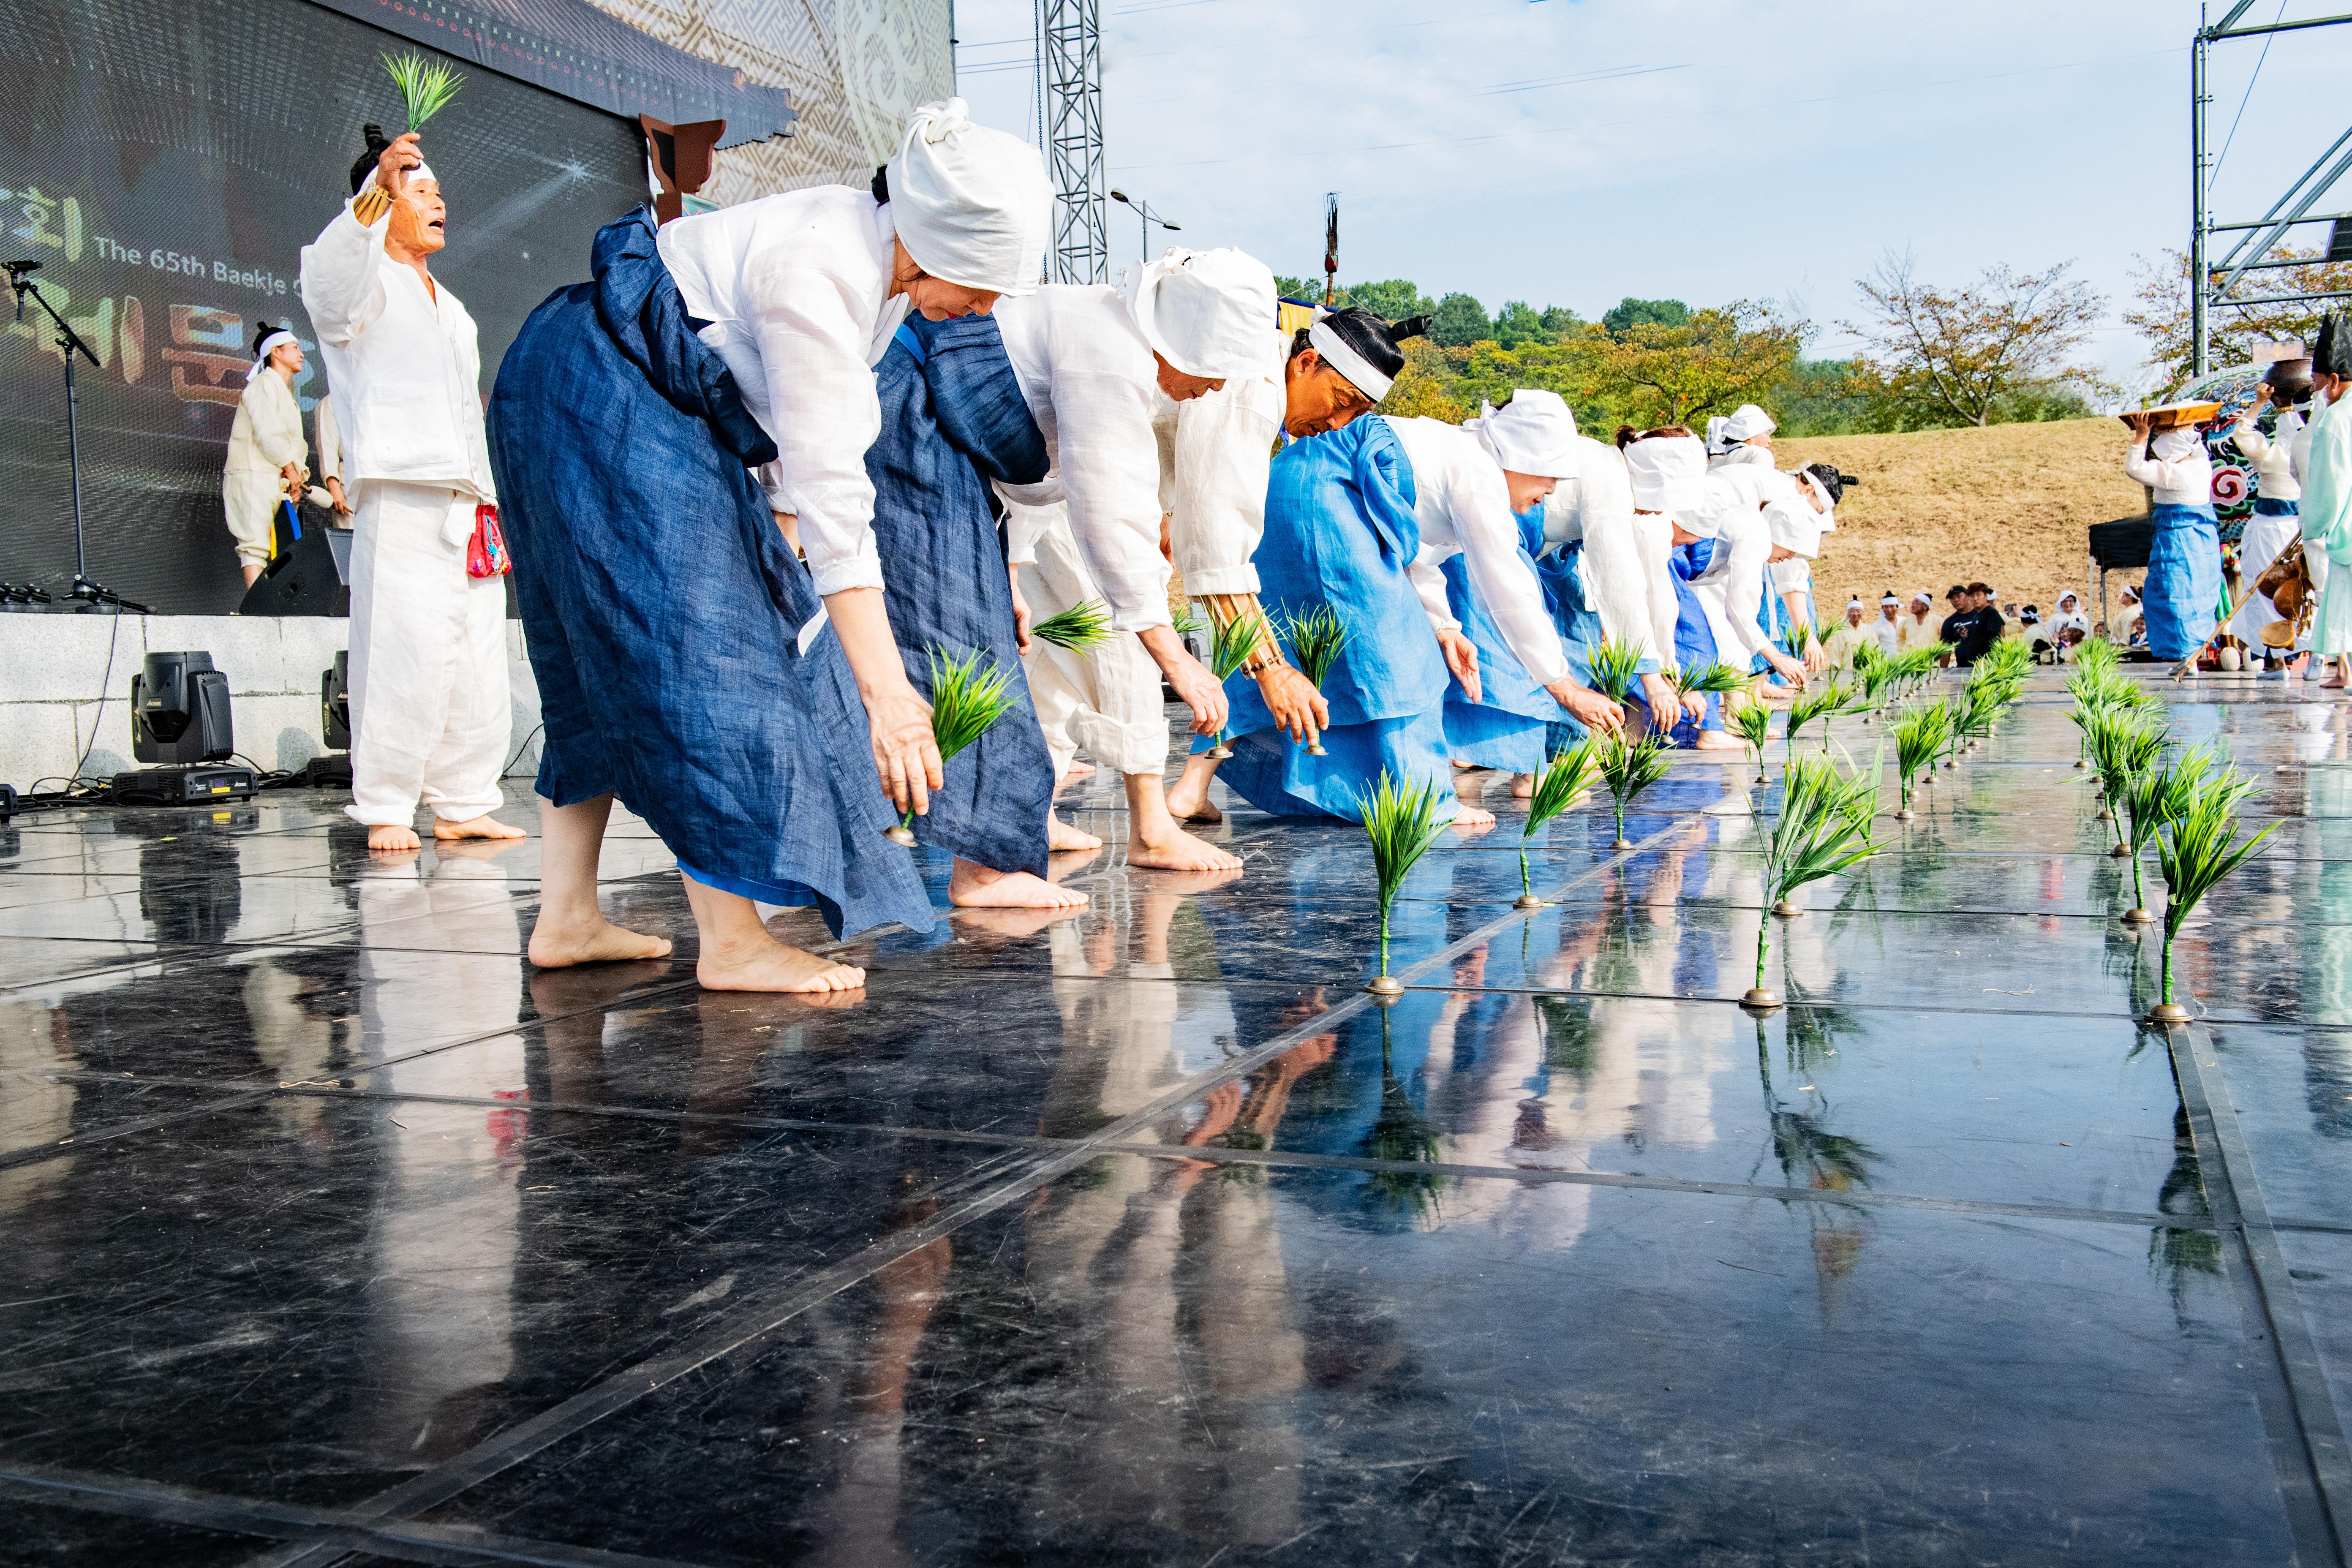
{"x": 2173, "y": 415}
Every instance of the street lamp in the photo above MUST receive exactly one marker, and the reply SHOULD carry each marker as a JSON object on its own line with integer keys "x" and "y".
{"x": 1143, "y": 211}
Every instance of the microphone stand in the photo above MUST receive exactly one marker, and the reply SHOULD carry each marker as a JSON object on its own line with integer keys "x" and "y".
{"x": 92, "y": 595}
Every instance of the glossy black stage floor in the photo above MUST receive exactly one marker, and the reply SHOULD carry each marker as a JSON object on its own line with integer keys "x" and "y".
{"x": 330, "y": 1232}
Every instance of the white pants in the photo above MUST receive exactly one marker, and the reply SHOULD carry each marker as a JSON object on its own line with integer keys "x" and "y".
{"x": 431, "y": 714}
{"x": 249, "y": 501}
{"x": 1107, "y": 700}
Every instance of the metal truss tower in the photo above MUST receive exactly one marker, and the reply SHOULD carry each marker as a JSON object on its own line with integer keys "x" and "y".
{"x": 1069, "y": 36}
{"x": 2209, "y": 281}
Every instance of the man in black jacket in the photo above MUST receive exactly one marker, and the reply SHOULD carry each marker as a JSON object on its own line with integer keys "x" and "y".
{"x": 1975, "y": 625}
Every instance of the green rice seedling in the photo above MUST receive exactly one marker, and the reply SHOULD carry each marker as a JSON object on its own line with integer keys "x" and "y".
{"x": 2196, "y": 850}
{"x": 1801, "y": 639}
{"x": 1716, "y": 678}
{"x": 1878, "y": 673}
{"x": 1616, "y": 669}
{"x": 1629, "y": 767}
{"x": 1188, "y": 622}
{"x": 2123, "y": 742}
{"x": 2157, "y": 795}
{"x": 1401, "y": 821}
{"x": 1316, "y": 637}
{"x": 1823, "y": 828}
{"x": 2097, "y": 653}
{"x": 1913, "y": 668}
{"x": 1234, "y": 646}
{"x": 969, "y": 694}
{"x": 1920, "y": 737}
{"x": 1081, "y": 629}
{"x": 425, "y": 86}
{"x": 2008, "y": 656}
{"x": 1569, "y": 774}
{"x": 1754, "y": 723}
{"x": 1813, "y": 703}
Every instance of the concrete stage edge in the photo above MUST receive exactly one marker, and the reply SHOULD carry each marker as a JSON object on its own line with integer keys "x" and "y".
{"x": 57, "y": 697}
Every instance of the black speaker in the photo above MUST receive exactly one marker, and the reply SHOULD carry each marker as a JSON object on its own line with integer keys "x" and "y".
{"x": 307, "y": 578}
{"x": 335, "y": 704}
{"x": 179, "y": 711}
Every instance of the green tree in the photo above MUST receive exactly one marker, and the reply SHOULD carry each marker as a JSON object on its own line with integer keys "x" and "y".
{"x": 1391, "y": 299}
{"x": 1461, "y": 321}
{"x": 1630, "y": 313}
{"x": 2163, "y": 315}
{"x": 1519, "y": 322}
{"x": 1713, "y": 362}
{"x": 1980, "y": 353}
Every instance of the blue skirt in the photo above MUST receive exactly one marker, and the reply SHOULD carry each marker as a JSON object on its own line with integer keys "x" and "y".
{"x": 663, "y": 609}
{"x": 1490, "y": 737}
{"x": 1281, "y": 778}
{"x": 2183, "y": 591}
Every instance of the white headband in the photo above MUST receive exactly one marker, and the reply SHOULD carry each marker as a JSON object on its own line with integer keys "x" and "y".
{"x": 423, "y": 171}
{"x": 272, "y": 344}
{"x": 1890, "y": 599}
{"x": 1353, "y": 367}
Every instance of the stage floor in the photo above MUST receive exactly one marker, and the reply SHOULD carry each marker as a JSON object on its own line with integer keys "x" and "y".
{"x": 331, "y": 1232}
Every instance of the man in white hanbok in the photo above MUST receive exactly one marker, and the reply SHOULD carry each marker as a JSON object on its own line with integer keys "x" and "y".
{"x": 267, "y": 459}
{"x": 430, "y": 712}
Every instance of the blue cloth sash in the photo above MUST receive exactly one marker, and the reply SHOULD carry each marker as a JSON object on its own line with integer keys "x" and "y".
{"x": 662, "y": 608}
{"x": 2183, "y": 591}
{"x": 952, "y": 419}
{"x": 2269, "y": 506}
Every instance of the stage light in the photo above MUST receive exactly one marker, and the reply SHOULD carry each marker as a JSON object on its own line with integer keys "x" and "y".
{"x": 180, "y": 717}
{"x": 333, "y": 770}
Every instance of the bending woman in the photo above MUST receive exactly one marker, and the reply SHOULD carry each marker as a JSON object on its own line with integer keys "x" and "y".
{"x": 688, "y": 661}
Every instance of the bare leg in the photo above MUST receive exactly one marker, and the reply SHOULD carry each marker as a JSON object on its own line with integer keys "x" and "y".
{"x": 738, "y": 953}
{"x": 971, "y": 886}
{"x": 1523, "y": 786}
{"x": 477, "y": 827}
{"x": 1155, "y": 840}
{"x": 1189, "y": 800}
{"x": 571, "y": 928}
{"x": 1719, "y": 741}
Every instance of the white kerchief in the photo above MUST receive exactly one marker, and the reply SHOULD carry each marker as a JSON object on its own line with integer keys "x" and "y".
{"x": 970, "y": 204}
{"x": 1535, "y": 434}
{"x": 1207, "y": 312}
{"x": 1747, "y": 423}
{"x": 1669, "y": 474}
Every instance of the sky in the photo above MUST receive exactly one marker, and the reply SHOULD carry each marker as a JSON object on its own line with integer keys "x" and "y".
{"x": 1575, "y": 151}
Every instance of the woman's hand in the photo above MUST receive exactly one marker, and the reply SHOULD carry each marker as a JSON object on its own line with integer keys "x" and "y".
{"x": 1790, "y": 671}
{"x": 1462, "y": 658}
{"x": 898, "y": 721}
{"x": 1299, "y": 710}
{"x": 1195, "y": 686}
{"x": 1665, "y": 706}
{"x": 1020, "y": 611}
{"x": 1588, "y": 706}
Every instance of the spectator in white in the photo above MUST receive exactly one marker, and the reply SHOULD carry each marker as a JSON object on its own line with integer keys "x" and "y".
{"x": 1886, "y": 631}
{"x": 268, "y": 459}
{"x": 1098, "y": 365}
{"x": 1849, "y": 636}
{"x": 2129, "y": 628}
{"x": 430, "y": 712}
{"x": 1921, "y": 626}
{"x": 2069, "y": 613}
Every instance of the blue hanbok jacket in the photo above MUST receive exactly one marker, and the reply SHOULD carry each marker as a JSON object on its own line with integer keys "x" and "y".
{"x": 1339, "y": 530}
{"x": 952, "y": 419}
{"x": 662, "y": 608}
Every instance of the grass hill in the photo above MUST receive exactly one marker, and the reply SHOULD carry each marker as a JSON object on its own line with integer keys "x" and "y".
{"x": 2008, "y": 504}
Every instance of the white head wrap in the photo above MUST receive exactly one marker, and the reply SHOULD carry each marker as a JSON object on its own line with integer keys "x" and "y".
{"x": 1341, "y": 356}
{"x": 2069, "y": 593}
{"x": 1924, "y": 597}
{"x": 1669, "y": 474}
{"x": 1534, "y": 433}
{"x": 1821, "y": 494}
{"x": 2171, "y": 446}
{"x": 272, "y": 344}
{"x": 1853, "y": 603}
{"x": 1886, "y": 599}
{"x": 1210, "y": 313}
{"x": 970, "y": 204}
{"x": 1715, "y": 447}
{"x": 1747, "y": 423}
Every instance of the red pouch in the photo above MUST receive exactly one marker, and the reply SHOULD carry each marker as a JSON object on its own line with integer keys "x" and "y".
{"x": 485, "y": 552}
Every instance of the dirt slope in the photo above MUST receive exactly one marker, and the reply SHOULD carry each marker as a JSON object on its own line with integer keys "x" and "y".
{"x": 2007, "y": 505}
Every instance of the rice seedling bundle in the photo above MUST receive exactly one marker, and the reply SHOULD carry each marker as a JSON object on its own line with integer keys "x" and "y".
{"x": 970, "y": 693}
{"x": 1401, "y": 819}
{"x": 1081, "y": 629}
{"x": 1569, "y": 774}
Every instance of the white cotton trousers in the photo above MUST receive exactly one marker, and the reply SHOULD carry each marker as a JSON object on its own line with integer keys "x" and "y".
{"x": 431, "y": 713}
{"x": 1105, "y": 700}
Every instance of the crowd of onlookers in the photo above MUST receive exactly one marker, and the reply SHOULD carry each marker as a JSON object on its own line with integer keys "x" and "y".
{"x": 1972, "y": 620}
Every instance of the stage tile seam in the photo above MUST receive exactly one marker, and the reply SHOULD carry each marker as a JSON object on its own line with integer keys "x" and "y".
{"x": 746, "y": 1331}
{"x": 2314, "y": 1470}
{"x": 1277, "y": 1156}
{"x": 128, "y": 1497}
{"x": 1829, "y": 1004}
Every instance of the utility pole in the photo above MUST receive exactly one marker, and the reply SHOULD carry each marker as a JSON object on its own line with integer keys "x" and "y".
{"x": 2201, "y": 282}
{"x": 1071, "y": 41}
{"x": 1143, "y": 211}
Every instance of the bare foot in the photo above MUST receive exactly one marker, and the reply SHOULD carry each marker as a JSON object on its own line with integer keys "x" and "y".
{"x": 1077, "y": 770}
{"x": 1461, "y": 766}
{"x": 556, "y": 945}
{"x": 1178, "y": 887}
{"x": 1719, "y": 741}
{"x": 1523, "y": 786}
{"x": 1186, "y": 807}
{"x": 1473, "y": 816}
{"x": 392, "y": 836}
{"x": 971, "y": 886}
{"x": 1061, "y": 837}
{"x": 474, "y": 828}
{"x": 770, "y": 965}
{"x": 1177, "y": 850}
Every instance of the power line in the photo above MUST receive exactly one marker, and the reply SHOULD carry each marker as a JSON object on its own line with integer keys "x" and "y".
{"x": 2232, "y": 136}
